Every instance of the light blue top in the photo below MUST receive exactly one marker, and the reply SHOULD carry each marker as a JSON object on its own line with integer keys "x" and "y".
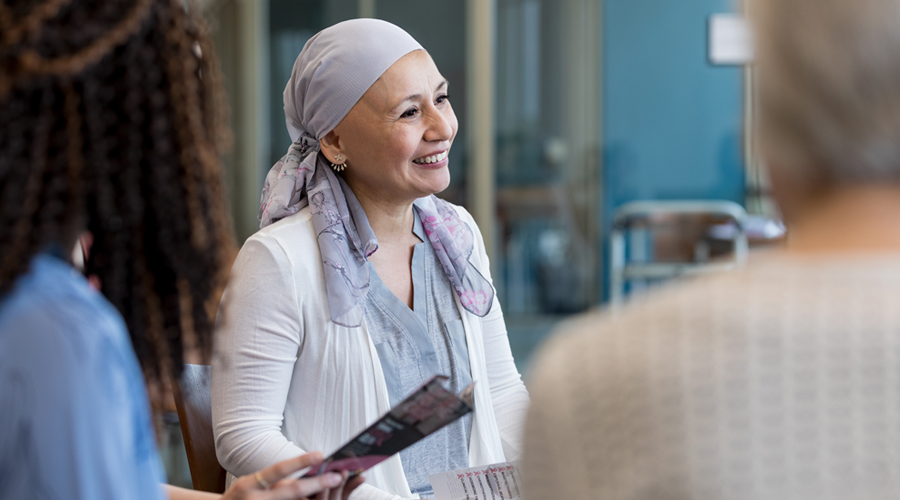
{"x": 416, "y": 344}
{"x": 74, "y": 413}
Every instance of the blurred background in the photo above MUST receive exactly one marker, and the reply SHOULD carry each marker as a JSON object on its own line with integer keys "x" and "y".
{"x": 604, "y": 145}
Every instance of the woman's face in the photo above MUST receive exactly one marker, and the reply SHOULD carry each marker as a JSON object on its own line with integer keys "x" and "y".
{"x": 396, "y": 139}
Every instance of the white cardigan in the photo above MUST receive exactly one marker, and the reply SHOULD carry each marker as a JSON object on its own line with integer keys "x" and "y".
{"x": 286, "y": 379}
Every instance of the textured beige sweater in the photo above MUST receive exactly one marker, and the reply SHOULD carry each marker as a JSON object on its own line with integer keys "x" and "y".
{"x": 781, "y": 381}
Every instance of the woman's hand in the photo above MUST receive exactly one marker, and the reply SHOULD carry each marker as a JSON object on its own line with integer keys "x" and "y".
{"x": 343, "y": 490}
{"x": 272, "y": 483}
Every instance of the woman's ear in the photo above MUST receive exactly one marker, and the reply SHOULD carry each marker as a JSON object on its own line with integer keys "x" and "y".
{"x": 330, "y": 146}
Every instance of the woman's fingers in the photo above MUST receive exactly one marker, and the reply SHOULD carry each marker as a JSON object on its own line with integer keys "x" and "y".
{"x": 289, "y": 489}
{"x": 270, "y": 483}
{"x": 331, "y": 486}
{"x": 351, "y": 485}
{"x": 334, "y": 492}
{"x": 302, "y": 488}
{"x": 343, "y": 490}
{"x": 271, "y": 475}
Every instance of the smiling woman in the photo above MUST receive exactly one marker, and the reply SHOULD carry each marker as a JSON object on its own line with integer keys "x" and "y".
{"x": 361, "y": 283}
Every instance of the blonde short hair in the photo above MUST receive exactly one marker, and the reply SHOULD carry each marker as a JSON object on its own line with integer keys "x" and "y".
{"x": 829, "y": 88}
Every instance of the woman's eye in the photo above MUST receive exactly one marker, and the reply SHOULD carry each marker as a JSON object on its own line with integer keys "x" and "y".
{"x": 409, "y": 113}
{"x": 442, "y": 98}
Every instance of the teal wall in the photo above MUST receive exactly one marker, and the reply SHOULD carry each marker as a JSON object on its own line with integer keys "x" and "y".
{"x": 672, "y": 123}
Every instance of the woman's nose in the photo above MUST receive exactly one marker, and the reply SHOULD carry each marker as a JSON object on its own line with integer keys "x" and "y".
{"x": 440, "y": 127}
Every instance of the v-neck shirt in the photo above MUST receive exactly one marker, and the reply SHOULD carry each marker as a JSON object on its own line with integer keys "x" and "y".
{"x": 415, "y": 344}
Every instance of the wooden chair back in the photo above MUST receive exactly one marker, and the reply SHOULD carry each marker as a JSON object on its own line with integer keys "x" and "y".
{"x": 195, "y": 415}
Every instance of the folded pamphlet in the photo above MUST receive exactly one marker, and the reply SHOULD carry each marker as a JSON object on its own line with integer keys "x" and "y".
{"x": 426, "y": 410}
{"x": 490, "y": 482}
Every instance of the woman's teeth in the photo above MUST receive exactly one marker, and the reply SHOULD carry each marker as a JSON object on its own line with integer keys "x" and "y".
{"x": 431, "y": 159}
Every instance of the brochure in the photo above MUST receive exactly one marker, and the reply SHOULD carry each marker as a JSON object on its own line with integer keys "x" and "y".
{"x": 491, "y": 482}
{"x": 426, "y": 410}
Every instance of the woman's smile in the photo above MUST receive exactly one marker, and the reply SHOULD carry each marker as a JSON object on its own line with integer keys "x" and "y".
{"x": 433, "y": 161}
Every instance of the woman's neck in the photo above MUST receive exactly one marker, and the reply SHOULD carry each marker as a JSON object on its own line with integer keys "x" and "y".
{"x": 849, "y": 219}
{"x": 392, "y": 222}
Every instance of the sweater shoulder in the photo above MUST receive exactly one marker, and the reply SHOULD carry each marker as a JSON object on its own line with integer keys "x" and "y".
{"x": 292, "y": 235}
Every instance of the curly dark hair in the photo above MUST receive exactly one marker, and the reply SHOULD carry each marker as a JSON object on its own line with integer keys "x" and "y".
{"x": 111, "y": 121}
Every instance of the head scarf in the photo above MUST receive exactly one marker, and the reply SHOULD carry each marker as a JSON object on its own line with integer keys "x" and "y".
{"x": 333, "y": 71}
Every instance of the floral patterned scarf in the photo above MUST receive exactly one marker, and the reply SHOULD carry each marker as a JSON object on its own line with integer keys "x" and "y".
{"x": 302, "y": 177}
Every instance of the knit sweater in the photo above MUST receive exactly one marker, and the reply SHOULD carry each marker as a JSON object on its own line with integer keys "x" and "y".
{"x": 778, "y": 381}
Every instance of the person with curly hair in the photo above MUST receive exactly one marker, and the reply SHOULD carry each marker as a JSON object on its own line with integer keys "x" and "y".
{"x": 110, "y": 125}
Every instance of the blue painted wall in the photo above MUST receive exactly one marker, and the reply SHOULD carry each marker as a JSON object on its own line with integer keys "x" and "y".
{"x": 672, "y": 123}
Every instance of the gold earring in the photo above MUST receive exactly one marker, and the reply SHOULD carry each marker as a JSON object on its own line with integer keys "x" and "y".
{"x": 338, "y": 167}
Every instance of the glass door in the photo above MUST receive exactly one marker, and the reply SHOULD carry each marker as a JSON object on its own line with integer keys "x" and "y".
{"x": 547, "y": 163}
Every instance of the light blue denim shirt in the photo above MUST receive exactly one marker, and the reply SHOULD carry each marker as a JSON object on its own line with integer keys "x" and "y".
{"x": 74, "y": 414}
{"x": 414, "y": 345}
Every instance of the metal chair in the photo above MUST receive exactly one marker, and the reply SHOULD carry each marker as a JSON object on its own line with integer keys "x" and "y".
{"x": 195, "y": 415}
{"x": 642, "y": 214}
